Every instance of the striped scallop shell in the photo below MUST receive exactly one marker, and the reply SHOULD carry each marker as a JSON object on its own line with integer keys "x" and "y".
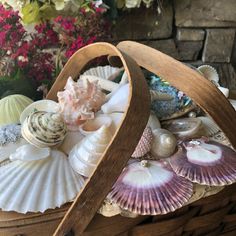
{"x": 209, "y": 126}
{"x": 38, "y": 185}
{"x": 150, "y": 188}
{"x": 205, "y": 162}
{"x": 44, "y": 129}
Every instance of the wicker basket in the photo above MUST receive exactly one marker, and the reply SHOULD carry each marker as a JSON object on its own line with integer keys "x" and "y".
{"x": 213, "y": 215}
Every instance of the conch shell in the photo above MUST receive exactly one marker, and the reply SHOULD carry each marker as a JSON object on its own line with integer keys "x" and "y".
{"x": 44, "y": 129}
{"x": 79, "y": 101}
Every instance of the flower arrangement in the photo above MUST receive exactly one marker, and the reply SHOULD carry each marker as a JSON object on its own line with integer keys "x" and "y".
{"x": 35, "y": 57}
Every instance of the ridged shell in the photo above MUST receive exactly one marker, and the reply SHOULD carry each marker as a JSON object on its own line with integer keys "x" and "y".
{"x": 29, "y": 152}
{"x": 205, "y": 162}
{"x": 41, "y": 105}
{"x": 11, "y": 108}
{"x": 44, "y": 129}
{"x": 150, "y": 188}
{"x": 209, "y": 73}
{"x": 38, "y": 185}
{"x": 86, "y": 154}
{"x": 144, "y": 145}
{"x": 105, "y": 72}
{"x": 209, "y": 126}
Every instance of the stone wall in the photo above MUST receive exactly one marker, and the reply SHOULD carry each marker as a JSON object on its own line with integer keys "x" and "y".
{"x": 193, "y": 31}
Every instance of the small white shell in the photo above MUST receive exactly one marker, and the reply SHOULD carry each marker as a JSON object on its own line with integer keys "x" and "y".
{"x": 85, "y": 155}
{"x": 95, "y": 124}
{"x": 29, "y": 152}
{"x": 117, "y": 118}
{"x": 209, "y": 73}
{"x": 225, "y": 91}
{"x": 41, "y": 105}
{"x": 36, "y": 186}
{"x": 164, "y": 143}
{"x": 233, "y": 103}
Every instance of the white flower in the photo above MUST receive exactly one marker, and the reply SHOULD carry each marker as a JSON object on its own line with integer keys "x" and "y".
{"x": 22, "y": 58}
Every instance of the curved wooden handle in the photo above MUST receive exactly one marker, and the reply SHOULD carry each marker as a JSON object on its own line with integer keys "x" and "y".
{"x": 118, "y": 152}
{"x": 202, "y": 91}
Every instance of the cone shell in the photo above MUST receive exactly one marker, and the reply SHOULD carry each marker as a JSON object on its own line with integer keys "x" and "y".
{"x": 41, "y": 105}
{"x": 150, "y": 188}
{"x": 11, "y": 108}
{"x": 144, "y": 145}
{"x": 205, "y": 162}
{"x": 38, "y": 185}
{"x": 44, "y": 129}
{"x": 85, "y": 155}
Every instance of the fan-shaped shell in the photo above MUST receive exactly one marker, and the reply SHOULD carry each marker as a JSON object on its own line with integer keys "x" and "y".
{"x": 86, "y": 154}
{"x": 209, "y": 73}
{"x": 150, "y": 188}
{"x": 11, "y": 108}
{"x": 38, "y": 185}
{"x": 44, "y": 129}
{"x": 209, "y": 126}
{"x": 205, "y": 162}
{"x": 41, "y": 105}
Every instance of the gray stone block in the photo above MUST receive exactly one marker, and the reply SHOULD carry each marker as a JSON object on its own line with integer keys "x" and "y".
{"x": 218, "y": 45}
{"x": 189, "y": 50}
{"x": 205, "y": 13}
{"x": 184, "y": 34}
{"x": 143, "y": 23}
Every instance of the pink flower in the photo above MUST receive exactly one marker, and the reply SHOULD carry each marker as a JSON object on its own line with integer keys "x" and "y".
{"x": 2, "y": 38}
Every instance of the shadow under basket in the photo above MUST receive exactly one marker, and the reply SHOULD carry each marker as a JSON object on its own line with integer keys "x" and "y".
{"x": 213, "y": 215}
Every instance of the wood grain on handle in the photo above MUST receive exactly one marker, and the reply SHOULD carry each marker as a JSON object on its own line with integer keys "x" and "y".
{"x": 121, "y": 146}
{"x": 202, "y": 91}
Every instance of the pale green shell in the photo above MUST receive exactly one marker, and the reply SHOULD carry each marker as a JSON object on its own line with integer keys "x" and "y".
{"x": 11, "y": 107}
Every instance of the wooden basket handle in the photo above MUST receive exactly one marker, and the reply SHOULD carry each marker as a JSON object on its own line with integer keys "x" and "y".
{"x": 118, "y": 152}
{"x": 202, "y": 91}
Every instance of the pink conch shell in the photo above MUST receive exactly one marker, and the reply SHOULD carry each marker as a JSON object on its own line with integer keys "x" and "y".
{"x": 144, "y": 145}
{"x": 205, "y": 162}
{"x": 79, "y": 101}
{"x": 150, "y": 188}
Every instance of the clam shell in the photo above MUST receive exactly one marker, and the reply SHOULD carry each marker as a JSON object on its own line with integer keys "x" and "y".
{"x": 209, "y": 126}
{"x": 205, "y": 162}
{"x": 38, "y": 185}
{"x": 95, "y": 124}
{"x": 209, "y": 73}
{"x": 185, "y": 127}
{"x": 144, "y": 145}
{"x": 11, "y": 108}
{"x": 150, "y": 189}
{"x": 105, "y": 72}
{"x": 41, "y": 105}
{"x": 163, "y": 144}
{"x": 29, "y": 152}
{"x": 44, "y": 129}
{"x": 109, "y": 209}
{"x": 85, "y": 155}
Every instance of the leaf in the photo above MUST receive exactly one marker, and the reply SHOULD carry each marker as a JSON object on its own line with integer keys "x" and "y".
{"x": 59, "y": 4}
{"x": 47, "y": 11}
{"x": 31, "y": 13}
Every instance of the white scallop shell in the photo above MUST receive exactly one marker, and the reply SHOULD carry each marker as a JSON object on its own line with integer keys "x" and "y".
{"x": 11, "y": 108}
{"x": 41, "y": 105}
{"x": 86, "y": 154}
{"x": 9, "y": 148}
{"x": 38, "y": 185}
{"x": 209, "y": 73}
{"x": 104, "y": 72}
{"x": 209, "y": 126}
{"x": 29, "y": 152}
{"x": 233, "y": 103}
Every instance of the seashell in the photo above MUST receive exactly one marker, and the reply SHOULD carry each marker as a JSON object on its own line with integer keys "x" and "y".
{"x": 11, "y": 108}
{"x": 144, "y": 145}
{"x": 160, "y": 96}
{"x": 40, "y": 185}
{"x": 72, "y": 138}
{"x": 209, "y": 126}
{"x": 116, "y": 120}
{"x": 41, "y": 105}
{"x": 44, "y": 129}
{"x": 233, "y": 103}
{"x": 150, "y": 188}
{"x": 209, "y": 73}
{"x": 178, "y": 106}
{"x": 164, "y": 143}
{"x": 95, "y": 124}
{"x": 85, "y": 155}
{"x": 79, "y": 101}
{"x": 105, "y": 72}
{"x": 118, "y": 101}
{"x": 205, "y": 162}
{"x": 184, "y": 127}
{"x": 109, "y": 209}
{"x": 225, "y": 91}
{"x": 29, "y": 152}
{"x": 153, "y": 122}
